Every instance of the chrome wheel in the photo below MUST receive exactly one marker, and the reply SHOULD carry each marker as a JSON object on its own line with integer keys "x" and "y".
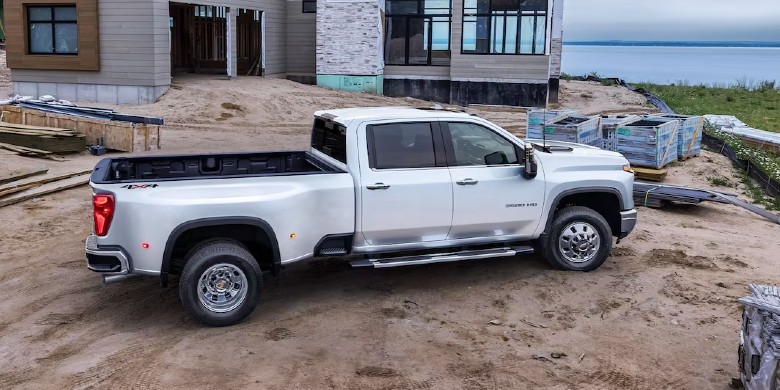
{"x": 222, "y": 288}
{"x": 579, "y": 242}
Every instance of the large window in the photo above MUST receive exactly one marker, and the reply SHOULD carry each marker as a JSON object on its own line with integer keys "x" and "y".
{"x": 418, "y": 32}
{"x": 504, "y": 26}
{"x": 52, "y": 30}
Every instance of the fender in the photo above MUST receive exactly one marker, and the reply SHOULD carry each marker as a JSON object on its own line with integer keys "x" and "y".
{"x": 586, "y": 190}
{"x": 198, "y": 223}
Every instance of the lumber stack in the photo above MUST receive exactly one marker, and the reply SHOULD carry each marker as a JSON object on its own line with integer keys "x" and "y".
{"x": 125, "y": 133}
{"x": 17, "y": 190}
{"x": 46, "y": 139}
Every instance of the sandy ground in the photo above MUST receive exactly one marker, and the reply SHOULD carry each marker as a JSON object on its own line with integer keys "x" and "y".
{"x": 661, "y": 313}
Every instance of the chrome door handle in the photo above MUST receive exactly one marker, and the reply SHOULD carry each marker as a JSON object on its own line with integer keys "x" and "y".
{"x": 378, "y": 186}
{"x": 467, "y": 182}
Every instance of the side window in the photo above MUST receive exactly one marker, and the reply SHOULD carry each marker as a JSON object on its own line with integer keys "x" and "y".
{"x": 402, "y": 145}
{"x": 474, "y": 144}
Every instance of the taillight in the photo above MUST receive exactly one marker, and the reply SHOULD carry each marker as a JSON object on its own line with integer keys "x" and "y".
{"x": 103, "y": 212}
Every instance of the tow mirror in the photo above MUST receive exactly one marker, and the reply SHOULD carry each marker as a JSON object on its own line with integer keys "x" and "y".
{"x": 529, "y": 172}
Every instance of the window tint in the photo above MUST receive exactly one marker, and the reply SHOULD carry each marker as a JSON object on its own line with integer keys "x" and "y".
{"x": 330, "y": 138}
{"x": 477, "y": 145}
{"x": 402, "y": 145}
{"x": 309, "y": 6}
{"x": 504, "y": 27}
{"x": 418, "y": 32}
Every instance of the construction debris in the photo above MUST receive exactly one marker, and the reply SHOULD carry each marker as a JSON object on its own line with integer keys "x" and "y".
{"x": 754, "y": 138}
{"x": 23, "y": 174}
{"x": 21, "y": 192}
{"x": 30, "y": 152}
{"x": 126, "y": 133}
{"x": 42, "y": 138}
{"x": 658, "y": 195}
{"x": 759, "y": 350}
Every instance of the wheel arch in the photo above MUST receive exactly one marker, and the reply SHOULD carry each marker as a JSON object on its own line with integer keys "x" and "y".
{"x": 593, "y": 198}
{"x": 261, "y": 225}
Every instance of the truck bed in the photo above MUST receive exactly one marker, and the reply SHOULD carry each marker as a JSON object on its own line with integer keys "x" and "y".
{"x": 191, "y": 167}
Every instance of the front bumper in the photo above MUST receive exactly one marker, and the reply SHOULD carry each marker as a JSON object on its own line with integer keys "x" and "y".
{"x": 106, "y": 260}
{"x": 627, "y": 222}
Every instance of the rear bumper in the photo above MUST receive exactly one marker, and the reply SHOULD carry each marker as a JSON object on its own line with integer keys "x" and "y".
{"x": 627, "y": 222}
{"x": 108, "y": 260}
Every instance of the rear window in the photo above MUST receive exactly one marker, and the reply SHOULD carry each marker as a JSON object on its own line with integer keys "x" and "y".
{"x": 402, "y": 145}
{"x": 330, "y": 138}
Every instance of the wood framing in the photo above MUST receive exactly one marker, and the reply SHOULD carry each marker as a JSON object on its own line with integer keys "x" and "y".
{"x": 18, "y": 57}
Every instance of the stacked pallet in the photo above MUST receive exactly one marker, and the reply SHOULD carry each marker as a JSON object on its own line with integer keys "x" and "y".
{"x": 689, "y": 134}
{"x": 537, "y": 119}
{"x": 649, "y": 142}
{"x": 584, "y": 130}
{"x": 47, "y": 139}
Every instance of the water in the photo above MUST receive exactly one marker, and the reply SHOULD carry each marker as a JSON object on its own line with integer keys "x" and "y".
{"x": 666, "y": 65}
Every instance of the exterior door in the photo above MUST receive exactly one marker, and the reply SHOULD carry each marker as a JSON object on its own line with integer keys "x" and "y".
{"x": 406, "y": 188}
{"x": 491, "y": 197}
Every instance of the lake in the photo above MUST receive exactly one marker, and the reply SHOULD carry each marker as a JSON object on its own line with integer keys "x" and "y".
{"x": 666, "y": 64}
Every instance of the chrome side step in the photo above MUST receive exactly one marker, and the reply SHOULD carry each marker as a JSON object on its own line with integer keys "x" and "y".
{"x": 442, "y": 257}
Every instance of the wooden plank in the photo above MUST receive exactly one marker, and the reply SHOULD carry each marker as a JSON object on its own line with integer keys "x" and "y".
{"x": 23, "y": 174}
{"x": 30, "y": 152}
{"x": 16, "y": 188}
{"x": 37, "y": 128}
{"x": 650, "y": 174}
{"x": 46, "y": 190}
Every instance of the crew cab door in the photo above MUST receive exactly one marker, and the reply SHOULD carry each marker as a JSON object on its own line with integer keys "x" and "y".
{"x": 405, "y": 186}
{"x": 491, "y": 196}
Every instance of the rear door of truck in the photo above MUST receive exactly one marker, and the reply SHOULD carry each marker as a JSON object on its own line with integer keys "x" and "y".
{"x": 406, "y": 187}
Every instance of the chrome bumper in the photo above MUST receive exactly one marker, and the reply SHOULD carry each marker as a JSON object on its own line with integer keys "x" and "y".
{"x": 627, "y": 222}
{"x": 107, "y": 261}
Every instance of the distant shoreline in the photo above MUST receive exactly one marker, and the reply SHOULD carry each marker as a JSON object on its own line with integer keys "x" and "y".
{"x": 674, "y": 44}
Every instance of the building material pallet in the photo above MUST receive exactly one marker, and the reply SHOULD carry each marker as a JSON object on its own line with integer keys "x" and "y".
{"x": 648, "y": 142}
{"x": 689, "y": 134}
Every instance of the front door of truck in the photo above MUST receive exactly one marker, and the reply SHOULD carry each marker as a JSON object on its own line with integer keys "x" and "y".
{"x": 491, "y": 197}
{"x": 406, "y": 188}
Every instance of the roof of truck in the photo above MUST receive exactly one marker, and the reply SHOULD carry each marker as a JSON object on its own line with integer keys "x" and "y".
{"x": 349, "y": 114}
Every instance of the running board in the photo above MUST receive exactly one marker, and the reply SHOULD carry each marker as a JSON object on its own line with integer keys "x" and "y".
{"x": 442, "y": 257}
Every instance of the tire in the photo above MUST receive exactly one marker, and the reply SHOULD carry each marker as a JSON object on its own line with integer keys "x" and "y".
{"x": 571, "y": 245}
{"x": 231, "y": 287}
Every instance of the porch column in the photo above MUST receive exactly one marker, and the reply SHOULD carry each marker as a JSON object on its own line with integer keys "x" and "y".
{"x": 232, "y": 46}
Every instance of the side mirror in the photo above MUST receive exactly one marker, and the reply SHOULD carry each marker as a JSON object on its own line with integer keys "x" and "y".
{"x": 496, "y": 158}
{"x": 529, "y": 172}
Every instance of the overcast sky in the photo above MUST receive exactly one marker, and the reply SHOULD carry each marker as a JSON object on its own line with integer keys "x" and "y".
{"x": 672, "y": 20}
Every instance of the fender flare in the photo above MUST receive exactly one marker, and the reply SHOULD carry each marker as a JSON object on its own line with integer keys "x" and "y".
{"x": 217, "y": 221}
{"x": 573, "y": 191}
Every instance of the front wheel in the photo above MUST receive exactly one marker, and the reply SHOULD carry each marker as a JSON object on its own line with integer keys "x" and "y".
{"x": 580, "y": 239}
{"x": 220, "y": 283}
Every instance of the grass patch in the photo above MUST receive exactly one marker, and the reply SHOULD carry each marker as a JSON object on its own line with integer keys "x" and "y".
{"x": 757, "y": 194}
{"x": 757, "y": 104}
{"x": 720, "y": 181}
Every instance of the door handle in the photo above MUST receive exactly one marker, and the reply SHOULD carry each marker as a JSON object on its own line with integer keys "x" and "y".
{"x": 378, "y": 186}
{"x": 467, "y": 182}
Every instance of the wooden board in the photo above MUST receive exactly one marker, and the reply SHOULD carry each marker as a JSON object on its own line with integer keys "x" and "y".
{"x": 650, "y": 174}
{"x": 46, "y": 190}
{"x": 121, "y": 136}
{"x": 19, "y": 187}
{"x": 23, "y": 174}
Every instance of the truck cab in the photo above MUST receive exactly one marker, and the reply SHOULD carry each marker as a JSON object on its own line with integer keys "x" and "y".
{"x": 382, "y": 187}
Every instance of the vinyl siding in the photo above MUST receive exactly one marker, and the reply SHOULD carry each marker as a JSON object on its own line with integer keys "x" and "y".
{"x": 301, "y": 40}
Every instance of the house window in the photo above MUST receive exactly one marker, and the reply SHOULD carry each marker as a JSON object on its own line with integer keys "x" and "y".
{"x": 418, "y": 32}
{"x": 310, "y": 6}
{"x": 52, "y": 30}
{"x": 504, "y": 27}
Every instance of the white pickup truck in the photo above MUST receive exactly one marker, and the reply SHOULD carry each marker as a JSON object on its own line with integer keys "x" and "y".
{"x": 381, "y": 187}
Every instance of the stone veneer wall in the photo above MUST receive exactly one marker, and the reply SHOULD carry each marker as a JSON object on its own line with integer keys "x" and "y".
{"x": 349, "y": 37}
